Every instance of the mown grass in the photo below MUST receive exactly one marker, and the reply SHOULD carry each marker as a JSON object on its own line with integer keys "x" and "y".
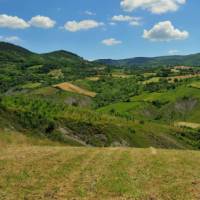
{"x": 94, "y": 173}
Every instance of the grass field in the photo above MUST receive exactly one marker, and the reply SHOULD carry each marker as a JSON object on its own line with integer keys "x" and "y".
{"x": 152, "y": 80}
{"x": 170, "y": 79}
{"x": 16, "y": 138}
{"x": 93, "y": 173}
{"x": 169, "y": 95}
{"x": 195, "y": 84}
{"x": 183, "y": 77}
{"x": 73, "y": 88}
{"x": 31, "y": 85}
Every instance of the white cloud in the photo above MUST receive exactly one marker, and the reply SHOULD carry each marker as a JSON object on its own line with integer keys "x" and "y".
{"x": 13, "y": 22}
{"x": 87, "y": 12}
{"x": 154, "y": 6}
{"x": 12, "y": 39}
{"x": 112, "y": 23}
{"x": 111, "y": 42}
{"x": 173, "y": 52}
{"x": 122, "y": 18}
{"x": 74, "y": 26}
{"x": 165, "y": 31}
{"x": 42, "y": 22}
{"x": 134, "y": 21}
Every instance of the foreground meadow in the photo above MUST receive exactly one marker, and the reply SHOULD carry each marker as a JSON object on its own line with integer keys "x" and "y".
{"x": 33, "y": 172}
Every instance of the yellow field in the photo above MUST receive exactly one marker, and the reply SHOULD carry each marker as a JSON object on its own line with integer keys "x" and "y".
{"x": 188, "y": 125}
{"x": 92, "y": 173}
{"x": 75, "y": 89}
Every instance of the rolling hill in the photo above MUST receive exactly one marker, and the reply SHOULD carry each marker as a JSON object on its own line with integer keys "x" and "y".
{"x": 19, "y": 66}
{"x": 188, "y": 60}
{"x": 57, "y": 110}
{"x": 111, "y": 110}
{"x": 13, "y": 53}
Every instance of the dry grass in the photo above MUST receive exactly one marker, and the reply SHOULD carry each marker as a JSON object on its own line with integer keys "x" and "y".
{"x": 15, "y": 138}
{"x": 75, "y": 89}
{"x": 188, "y": 125}
{"x": 94, "y": 173}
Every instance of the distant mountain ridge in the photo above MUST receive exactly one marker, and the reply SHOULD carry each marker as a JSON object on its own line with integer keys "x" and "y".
{"x": 191, "y": 60}
{"x": 10, "y": 53}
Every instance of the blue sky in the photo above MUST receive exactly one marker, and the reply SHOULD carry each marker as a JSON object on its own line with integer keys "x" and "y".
{"x": 103, "y": 28}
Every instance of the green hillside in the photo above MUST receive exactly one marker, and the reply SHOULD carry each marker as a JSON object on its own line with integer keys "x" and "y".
{"x": 19, "y": 66}
{"x": 129, "y": 108}
{"x": 51, "y": 131}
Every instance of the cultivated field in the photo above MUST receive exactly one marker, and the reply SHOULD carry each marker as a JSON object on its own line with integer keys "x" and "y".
{"x": 183, "y": 77}
{"x": 75, "y": 89}
{"x": 188, "y": 125}
{"x": 94, "y": 173}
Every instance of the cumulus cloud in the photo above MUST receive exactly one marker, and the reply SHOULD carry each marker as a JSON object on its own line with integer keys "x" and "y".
{"x": 165, "y": 31}
{"x": 134, "y": 21}
{"x": 12, "y": 39}
{"x": 13, "y": 22}
{"x": 75, "y": 26}
{"x": 42, "y": 22}
{"x": 111, "y": 42}
{"x": 154, "y": 6}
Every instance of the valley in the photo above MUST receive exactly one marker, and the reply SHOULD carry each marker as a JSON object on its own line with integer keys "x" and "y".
{"x": 77, "y": 129}
{"x": 98, "y": 105}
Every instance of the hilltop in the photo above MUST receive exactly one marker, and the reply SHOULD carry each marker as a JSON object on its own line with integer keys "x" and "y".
{"x": 19, "y": 66}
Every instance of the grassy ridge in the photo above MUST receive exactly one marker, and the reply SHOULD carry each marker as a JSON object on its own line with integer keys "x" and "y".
{"x": 85, "y": 173}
